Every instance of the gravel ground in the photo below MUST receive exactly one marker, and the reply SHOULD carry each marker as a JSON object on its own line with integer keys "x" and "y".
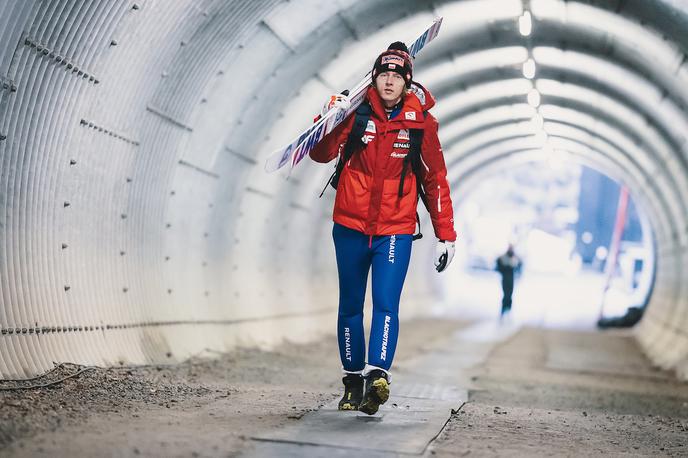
{"x": 540, "y": 393}
{"x": 537, "y": 396}
{"x": 203, "y": 407}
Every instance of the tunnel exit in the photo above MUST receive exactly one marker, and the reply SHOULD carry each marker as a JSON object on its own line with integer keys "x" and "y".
{"x": 561, "y": 218}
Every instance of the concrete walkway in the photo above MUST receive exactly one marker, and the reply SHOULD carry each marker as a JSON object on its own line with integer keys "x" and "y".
{"x": 426, "y": 390}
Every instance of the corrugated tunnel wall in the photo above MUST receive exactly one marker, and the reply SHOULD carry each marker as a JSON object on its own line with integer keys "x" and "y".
{"x": 137, "y": 224}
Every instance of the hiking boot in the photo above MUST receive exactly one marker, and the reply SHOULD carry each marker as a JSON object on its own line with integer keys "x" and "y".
{"x": 376, "y": 391}
{"x": 353, "y": 392}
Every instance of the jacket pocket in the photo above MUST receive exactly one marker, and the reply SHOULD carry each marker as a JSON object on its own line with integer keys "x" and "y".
{"x": 353, "y": 194}
{"x": 395, "y": 211}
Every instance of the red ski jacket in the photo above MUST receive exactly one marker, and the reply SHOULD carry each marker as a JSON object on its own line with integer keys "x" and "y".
{"x": 368, "y": 191}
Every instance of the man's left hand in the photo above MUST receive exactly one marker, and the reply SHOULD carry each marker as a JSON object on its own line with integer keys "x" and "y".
{"x": 444, "y": 253}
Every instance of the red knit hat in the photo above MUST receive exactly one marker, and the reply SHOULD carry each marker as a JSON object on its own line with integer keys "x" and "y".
{"x": 395, "y": 59}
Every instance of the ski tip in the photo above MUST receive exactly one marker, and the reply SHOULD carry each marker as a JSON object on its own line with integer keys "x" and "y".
{"x": 271, "y": 165}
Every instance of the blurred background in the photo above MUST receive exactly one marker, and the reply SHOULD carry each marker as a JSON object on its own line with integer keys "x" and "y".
{"x": 572, "y": 274}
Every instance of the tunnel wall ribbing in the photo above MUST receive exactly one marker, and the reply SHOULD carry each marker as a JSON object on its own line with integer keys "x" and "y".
{"x": 126, "y": 236}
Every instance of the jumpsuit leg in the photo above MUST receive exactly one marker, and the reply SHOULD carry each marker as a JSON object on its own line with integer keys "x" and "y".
{"x": 391, "y": 256}
{"x": 353, "y": 264}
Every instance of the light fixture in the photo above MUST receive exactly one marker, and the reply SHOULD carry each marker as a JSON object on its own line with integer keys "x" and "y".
{"x": 534, "y": 98}
{"x": 525, "y": 24}
{"x": 529, "y": 69}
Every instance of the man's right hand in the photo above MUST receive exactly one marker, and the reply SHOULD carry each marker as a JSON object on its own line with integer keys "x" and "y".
{"x": 338, "y": 101}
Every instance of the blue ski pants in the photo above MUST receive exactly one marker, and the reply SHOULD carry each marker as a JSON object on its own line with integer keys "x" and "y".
{"x": 389, "y": 257}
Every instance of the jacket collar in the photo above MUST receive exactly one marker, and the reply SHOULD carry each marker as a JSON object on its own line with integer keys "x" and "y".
{"x": 411, "y": 110}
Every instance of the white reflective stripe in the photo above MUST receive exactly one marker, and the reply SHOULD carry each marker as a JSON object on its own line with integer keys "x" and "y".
{"x": 439, "y": 201}
{"x": 427, "y": 169}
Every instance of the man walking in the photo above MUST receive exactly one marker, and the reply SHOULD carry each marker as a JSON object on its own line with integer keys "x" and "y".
{"x": 507, "y": 264}
{"x": 389, "y": 155}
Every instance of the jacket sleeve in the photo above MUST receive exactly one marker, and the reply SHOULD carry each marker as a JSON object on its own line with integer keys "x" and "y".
{"x": 329, "y": 147}
{"x": 434, "y": 178}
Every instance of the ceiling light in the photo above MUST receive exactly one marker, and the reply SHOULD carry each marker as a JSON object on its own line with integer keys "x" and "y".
{"x": 529, "y": 69}
{"x": 534, "y": 98}
{"x": 525, "y": 24}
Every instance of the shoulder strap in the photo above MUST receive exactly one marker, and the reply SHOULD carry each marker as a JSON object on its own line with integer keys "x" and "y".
{"x": 413, "y": 158}
{"x": 353, "y": 142}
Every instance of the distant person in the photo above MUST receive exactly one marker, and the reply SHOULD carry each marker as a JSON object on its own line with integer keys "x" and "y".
{"x": 507, "y": 265}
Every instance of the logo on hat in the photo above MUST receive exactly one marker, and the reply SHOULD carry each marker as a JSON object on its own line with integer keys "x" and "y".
{"x": 395, "y": 59}
{"x": 392, "y": 60}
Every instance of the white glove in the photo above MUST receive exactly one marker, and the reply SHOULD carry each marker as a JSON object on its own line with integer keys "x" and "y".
{"x": 444, "y": 253}
{"x": 338, "y": 101}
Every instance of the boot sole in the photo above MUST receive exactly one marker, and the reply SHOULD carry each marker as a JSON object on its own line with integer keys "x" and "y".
{"x": 348, "y": 406}
{"x": 379, "y": 394}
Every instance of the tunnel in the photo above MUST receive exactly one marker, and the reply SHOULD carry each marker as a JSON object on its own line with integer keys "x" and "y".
{"x": 138, "y": 224}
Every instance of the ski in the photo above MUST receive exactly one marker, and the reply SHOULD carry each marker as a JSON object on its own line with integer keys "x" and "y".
{"x": 295, "y": 151}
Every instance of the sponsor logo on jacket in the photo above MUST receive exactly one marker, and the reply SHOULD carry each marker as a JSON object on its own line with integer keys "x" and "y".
{"x": 410, "y": 115}
{"x": 369, "y": 134}
{"x": 400, "y": 145}
{"x": 403, "y": 135}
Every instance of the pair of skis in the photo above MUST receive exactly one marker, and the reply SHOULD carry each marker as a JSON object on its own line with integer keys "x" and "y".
{"x": 304, "y": 143}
